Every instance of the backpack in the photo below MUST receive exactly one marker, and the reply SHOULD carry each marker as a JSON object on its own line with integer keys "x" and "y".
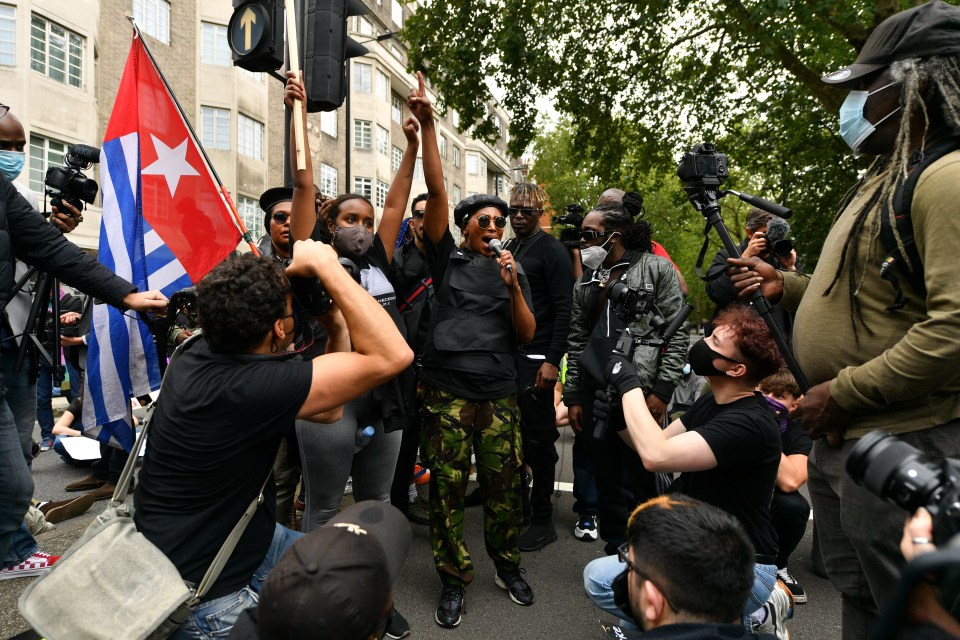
{"x": 902, "y": 203}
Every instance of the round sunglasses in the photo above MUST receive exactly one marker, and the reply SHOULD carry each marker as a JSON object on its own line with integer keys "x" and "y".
{"x": 484, "y": 221}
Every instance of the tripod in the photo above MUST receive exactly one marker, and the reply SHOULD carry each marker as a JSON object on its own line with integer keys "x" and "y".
{"x": 44, "y": 301}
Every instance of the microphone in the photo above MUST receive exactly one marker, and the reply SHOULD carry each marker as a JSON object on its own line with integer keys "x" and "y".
{"x": 497, "y": 249}
{"x": 777, "y": 230}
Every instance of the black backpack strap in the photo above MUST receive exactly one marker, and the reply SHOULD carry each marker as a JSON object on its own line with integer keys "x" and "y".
{"x": 907, "y": 262}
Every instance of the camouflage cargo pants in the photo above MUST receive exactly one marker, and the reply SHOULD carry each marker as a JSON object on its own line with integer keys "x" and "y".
{"x": 451, "y": 427}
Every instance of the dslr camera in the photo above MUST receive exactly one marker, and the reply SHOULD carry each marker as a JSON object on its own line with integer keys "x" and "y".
{"x": 900, "y": 474}
{"x": 572, "y": 219}
{"x": 631, "y": 305}
{"x": 68, "y": 182}
{"x": 702, "y": 167}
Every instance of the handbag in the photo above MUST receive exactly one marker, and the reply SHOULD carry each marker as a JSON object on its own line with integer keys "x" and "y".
{"x": 121, "y": 584}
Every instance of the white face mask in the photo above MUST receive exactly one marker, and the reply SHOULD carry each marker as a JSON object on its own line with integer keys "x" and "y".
{"x": 593, "y": 257}
{"x": 854, "y": 127}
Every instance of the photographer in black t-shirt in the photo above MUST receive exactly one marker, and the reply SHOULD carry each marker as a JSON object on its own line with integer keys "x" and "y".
{"x": 727, "y": 446}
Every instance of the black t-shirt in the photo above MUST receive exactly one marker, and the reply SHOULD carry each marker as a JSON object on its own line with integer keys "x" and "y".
{"x": 745, "y": 440}
{"x": 476, "y": 375}
{"x": 212, "y": 441}
{"x": 795, "y": 440}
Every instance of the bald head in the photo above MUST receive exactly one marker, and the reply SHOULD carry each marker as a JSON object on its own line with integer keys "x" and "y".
{"x": 610, "y": 196}
{"x": 12, "y": 137}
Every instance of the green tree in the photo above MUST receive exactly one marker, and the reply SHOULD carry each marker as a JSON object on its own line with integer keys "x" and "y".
{"x": 643, "y": 80}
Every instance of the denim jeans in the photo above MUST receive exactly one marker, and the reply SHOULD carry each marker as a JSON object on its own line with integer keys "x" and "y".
{"x": 44, "y": 400}
{"x": 215, "y": 618}
{"x": 599, "y": 574}
{"x": 16, "y": 543}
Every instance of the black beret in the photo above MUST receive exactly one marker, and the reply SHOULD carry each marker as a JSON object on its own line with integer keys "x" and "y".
{"x": 470, "y": 205}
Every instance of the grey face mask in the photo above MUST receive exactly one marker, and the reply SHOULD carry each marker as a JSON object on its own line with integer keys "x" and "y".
{"x": 353, "y": 242}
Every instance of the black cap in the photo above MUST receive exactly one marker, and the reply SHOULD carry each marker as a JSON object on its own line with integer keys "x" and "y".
{"x": 470, "y": 205}
{"x": 928, "y": 30}
{"x": 334, "y": 582}
{"x": 274, "y": 195}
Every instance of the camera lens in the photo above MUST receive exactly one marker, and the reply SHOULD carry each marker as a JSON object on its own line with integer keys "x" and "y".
{"x": 893, "y": 470}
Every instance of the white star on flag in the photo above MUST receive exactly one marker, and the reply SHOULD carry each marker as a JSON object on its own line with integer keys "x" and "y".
{"x": 171, "y": 163}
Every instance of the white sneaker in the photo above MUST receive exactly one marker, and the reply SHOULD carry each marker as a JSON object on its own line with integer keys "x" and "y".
{"x": 779, "y": 609}
{"x": 586, "y": 528}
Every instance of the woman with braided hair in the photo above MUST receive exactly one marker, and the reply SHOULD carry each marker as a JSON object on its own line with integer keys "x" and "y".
{"x": 874, "y": 364}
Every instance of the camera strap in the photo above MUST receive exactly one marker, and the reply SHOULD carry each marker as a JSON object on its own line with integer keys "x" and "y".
{"x": 908, "y": 261}
{"x": 709, "y": 277}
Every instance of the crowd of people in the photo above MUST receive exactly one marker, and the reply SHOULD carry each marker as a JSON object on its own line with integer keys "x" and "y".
{"x": 444, "y": 349}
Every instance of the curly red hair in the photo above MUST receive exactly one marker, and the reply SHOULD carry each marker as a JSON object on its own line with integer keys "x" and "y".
{"x": 753, "y": 339}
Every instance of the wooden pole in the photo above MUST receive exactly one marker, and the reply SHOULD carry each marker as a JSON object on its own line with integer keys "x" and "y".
{"x": 294, "y": 65}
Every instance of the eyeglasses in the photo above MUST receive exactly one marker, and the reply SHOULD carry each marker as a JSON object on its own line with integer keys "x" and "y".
{"x": 484, "y": 221}
{"x": 280, "y": 217}
{"x": 589, "y": 234}
{"x": 4, "y": 110}
{"x": 526, "y": 212}
{"x": 418, "y": 213}
{"x": 623, "y": 553}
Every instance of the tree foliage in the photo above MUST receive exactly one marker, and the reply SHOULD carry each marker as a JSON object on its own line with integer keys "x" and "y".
{"x": 641, "y": 81}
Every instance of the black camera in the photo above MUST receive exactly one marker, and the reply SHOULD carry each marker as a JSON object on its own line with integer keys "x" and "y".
{"x": 631, "y": 305}
{"x": 702, "y": 167}
{"x": 898, "y": 473}
{"x": 572, "y": 218}
{"x": 69, "y": 183}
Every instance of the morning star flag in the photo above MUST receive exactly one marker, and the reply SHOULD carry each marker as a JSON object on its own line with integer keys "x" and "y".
{"x": 165, "y": 225}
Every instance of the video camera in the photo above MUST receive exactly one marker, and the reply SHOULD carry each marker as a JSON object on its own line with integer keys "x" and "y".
{"x": 68, "y": 182}
{"x": 900, "y": 474}
{"x": 573, "y": 220}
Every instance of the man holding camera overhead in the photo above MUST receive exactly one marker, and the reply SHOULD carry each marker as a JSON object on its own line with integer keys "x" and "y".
{"x": 877, "y": 323}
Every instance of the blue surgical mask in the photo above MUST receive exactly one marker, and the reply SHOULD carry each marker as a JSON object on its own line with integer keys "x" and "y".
{"x": 11, "y": 163}
{"x": 854, "y": 126}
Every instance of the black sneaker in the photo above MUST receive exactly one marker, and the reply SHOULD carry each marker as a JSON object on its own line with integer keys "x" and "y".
{"x": 799, "y": 595}
{"x": 451, "y": 607}
{"x": 397, "y": 625}
{"x": 537, "y": 537}
{"x": 418, "y": 512}
{"x": 512, "y": 582}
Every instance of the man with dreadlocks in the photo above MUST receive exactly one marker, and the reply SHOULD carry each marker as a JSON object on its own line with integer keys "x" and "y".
{"x": 545, "y": 261}
{"x": 881, "y": 356}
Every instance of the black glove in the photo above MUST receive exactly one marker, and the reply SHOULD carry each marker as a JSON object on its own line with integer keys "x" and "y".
{"x": 602, "y": 406}
{"x": 622, "y": 375}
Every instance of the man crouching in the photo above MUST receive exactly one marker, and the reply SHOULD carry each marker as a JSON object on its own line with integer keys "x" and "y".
{"x": 227, "y": 402}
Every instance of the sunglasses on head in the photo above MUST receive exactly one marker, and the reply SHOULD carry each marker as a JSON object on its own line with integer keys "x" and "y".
{"x": 526, "y": 212}
{"x": 590, "y": 234}
{"x": 4, "y": 109}
{"x": 280, "y": 217}
{"x": 484, "y": 221}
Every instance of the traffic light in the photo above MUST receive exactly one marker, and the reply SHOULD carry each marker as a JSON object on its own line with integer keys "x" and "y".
{"x": 327, "y": 50}
{"x": 255, "y": 34}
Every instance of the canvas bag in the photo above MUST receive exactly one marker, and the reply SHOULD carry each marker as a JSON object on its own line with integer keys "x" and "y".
{"x": 128, "y": 586}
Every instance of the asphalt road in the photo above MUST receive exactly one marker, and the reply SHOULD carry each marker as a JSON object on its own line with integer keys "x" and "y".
{"x": 561, "y": 609}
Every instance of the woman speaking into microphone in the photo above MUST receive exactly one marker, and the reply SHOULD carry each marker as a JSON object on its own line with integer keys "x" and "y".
{"x": 469, "y": 379}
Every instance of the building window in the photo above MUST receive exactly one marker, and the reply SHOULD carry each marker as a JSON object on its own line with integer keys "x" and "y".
{"x": 363, "y": 187}
{"x": 250, "y": 213}
{"x": 8, "y": 35}
{"x": 396, "y": 158}
{"x": 56, "y": 52}
{"x": 455, "y": 118}
{"x": 362, "y": 132}
{"x": 383, "y": 85}
{"x": 500, "y": 184}
{"x": 362, "y": 77}
{"x": 214, "y": 48}
{"x": 396, "y": 53}
{"x": 396, "y": 12}
{"x": 328, "y": 180}
{"x": 215, "y": 127}
{"x": 383, "y": 140}
{"x": 456, "y": 193}
{"x": 44, "y": 153}
{"x": 382, "y": 188}
{"x": 443, "y": 146}
{"x": 418, "y": 170}
{"x": 396, "y": 110}
{"x": 483, "y": 166}
{"x": 153, "y": 17}
{"x": 250, "y": 137}
{"x": 254, "y": 76}
{"x": 364, "y": 26}
{"x": 328, "y": 123}
{"x": 456, "y": 156}
{"x": 472, "y": 164}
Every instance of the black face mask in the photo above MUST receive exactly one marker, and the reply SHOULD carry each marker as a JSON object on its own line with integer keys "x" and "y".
{"x": 621, "y": 594}
{"x": 701, "y": 359}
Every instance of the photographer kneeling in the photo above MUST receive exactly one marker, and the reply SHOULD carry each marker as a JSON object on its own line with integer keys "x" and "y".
{"x": 727, "y": 446}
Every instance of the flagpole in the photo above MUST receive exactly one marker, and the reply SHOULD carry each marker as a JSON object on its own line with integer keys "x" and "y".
{"x": 237, "y": 220}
